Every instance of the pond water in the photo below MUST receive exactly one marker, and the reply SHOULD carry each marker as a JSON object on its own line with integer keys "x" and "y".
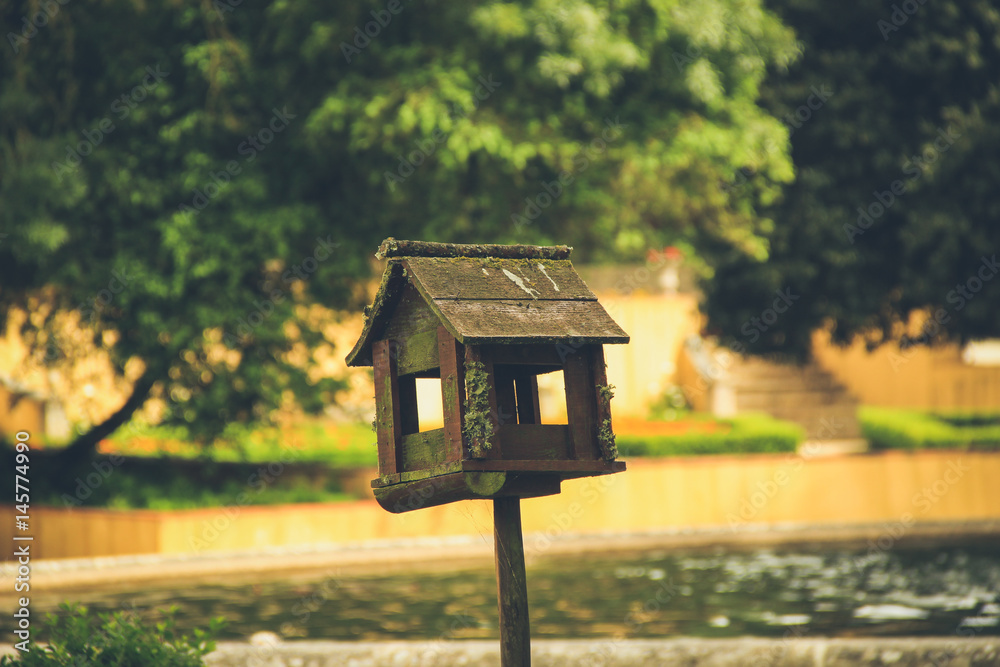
{"x": 763, "y": 593}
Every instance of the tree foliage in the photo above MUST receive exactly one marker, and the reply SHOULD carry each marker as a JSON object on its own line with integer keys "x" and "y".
{"x": 894, "y": 209}
{"x": 190, "y": 177}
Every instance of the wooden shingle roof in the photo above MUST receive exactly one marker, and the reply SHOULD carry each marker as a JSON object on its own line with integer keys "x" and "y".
{"x": 490, "y": 294}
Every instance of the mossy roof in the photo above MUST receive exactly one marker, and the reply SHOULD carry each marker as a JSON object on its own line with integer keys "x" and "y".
{"x": 487, "y": 299}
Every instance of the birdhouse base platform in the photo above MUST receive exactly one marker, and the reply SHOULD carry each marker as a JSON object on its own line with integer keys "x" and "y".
{"x": 481, "y": 479}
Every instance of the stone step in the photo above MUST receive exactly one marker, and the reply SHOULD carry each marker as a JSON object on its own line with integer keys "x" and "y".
{"x": 763, "y": 400}
{"x": 786, "y": 382}
{"x": 823, "y": 423}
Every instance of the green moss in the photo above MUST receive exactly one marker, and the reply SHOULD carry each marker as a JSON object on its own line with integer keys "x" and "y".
{"x": 478, "y": 426}
{"x": 606, "y": 438}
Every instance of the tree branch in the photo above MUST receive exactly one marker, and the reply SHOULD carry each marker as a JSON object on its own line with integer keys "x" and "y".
{"x": 86, "y": 443}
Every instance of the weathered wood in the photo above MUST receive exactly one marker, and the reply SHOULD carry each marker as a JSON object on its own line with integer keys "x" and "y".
{"x": 535, "y": 442}
{"x": 401, "y": 248}
{"x": 506, "y": 400}
{"x": 581, "y": 403}
{"x": 475, "y": 354}
{"x": 599, "y": 372}
{"x": 594, "y": 467}
{"x": 422, "y": 451}
{"x": 412, "y": 315}
{"x": 492, "y": 278}
{"x": 408, "y": 419}
{"x": 378, "y": 314}
{"x": 388, "y": 426}
{"x": 414, "y": 475}
{"x": 512, "y": 584}
{"x": 528, "y": 409}
{"x": 533, "y": 354}
{"x": 508, "y": 321}
{"x": 439, "y": 490}
{"x": 530, "y": 485}
{"x": 418, "y": 353}
{"x": 452, "y": 359}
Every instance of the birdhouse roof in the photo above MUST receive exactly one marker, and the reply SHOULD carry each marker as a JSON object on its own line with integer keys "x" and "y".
{"x": 500, "y": 294}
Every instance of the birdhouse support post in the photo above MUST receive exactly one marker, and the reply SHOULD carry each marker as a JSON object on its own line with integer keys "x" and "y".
{"x": 512, "y": 584}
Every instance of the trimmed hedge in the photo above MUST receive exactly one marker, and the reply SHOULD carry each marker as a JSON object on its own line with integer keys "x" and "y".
{"x": 748, "y": 434}
{"x": 892, "y": 428}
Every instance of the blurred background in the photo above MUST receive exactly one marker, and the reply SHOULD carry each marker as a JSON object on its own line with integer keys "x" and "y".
{"x": 789, "y": 205}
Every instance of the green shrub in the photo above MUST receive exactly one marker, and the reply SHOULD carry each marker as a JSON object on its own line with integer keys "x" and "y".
{"x": 747, "y": 434}
{"x": 343, "y": 445}
{"x": 76, "y": 639}
{"x": 892, "y": 428}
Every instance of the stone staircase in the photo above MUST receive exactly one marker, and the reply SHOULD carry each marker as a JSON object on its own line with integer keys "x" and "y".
{"x": 716, "y": 380}
{"x": 806, "y": 395}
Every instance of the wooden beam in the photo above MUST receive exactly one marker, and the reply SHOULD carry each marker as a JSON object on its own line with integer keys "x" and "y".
{"x": 388, "y": 425}
{"x": 592, "y": 467}
{"x": 526, "y": 389}
{"x": 474, "y": 353}
{"x": 401, "y": 248}
{"x": 581, "y": 403}
{"x": 600, "y": 379}
{"x": 506, "y": 400}
{"x": 452, "y": 358}
{"x": 512, "y": 584}
{"x": 535, "y": 442}
{"x": 419, "y": 353}
{"x": 408, "y": 417}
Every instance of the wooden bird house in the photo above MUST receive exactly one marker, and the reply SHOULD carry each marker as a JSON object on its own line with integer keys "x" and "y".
{"x": 487, "y": 320}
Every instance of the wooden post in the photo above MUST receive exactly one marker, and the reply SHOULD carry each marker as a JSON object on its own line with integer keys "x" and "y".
{"x": 512, "y": 585}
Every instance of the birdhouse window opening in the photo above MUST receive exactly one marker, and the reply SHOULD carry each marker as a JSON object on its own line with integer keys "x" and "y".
{"x": 552, "y": 397}
{"x": 517, "y": 395}
{"x": 429, "y": 409}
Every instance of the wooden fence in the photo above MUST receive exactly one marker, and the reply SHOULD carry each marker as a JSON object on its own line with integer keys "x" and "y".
{"x": 892, "y": 488}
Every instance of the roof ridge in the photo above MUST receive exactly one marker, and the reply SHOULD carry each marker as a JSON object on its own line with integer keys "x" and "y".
{"x": 392, "y": 247}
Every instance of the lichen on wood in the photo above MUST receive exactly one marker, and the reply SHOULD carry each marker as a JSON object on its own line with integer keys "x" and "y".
{"x": 399, "y": 248}
{"x": 478, "y": 425}
{"x": 605, "y": 436}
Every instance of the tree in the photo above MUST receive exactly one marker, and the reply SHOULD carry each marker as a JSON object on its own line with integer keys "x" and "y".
{"x": 189, "y": 179}
{"x": 894, "y": 209}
